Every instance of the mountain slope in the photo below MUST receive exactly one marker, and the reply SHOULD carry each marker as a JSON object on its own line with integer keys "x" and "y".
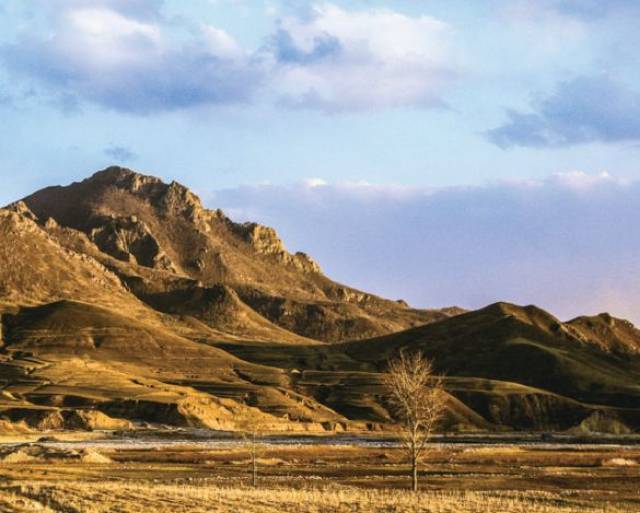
{"x": 36, "y": 269}
{"x": 515, "y": 366}
{"x": 69, "y": 356}
{"x": 123, "y": 300}
{"x": 519, "y": 344}
{"x": 140, "y": 222}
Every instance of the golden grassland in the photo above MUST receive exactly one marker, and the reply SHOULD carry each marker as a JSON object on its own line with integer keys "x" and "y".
{"x": 327, "y": 479}
{"x": 138, "y": 497}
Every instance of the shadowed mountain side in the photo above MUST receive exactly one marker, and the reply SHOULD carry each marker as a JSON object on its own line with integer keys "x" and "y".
{"x": 514, "y": 366}
{"x": 35, "y": 269}
{"x": 74, "y": 355}
{"x": 519, "y": 344}
{"x": 220, "y": 307}
{"x": 139, "y": 221}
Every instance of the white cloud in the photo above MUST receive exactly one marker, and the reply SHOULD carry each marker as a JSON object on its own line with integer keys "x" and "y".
{"x": 145, "y": 10}
{"x": 99, "y": 39}
{"x": 222, "y": 44}
{"x": 124, "y": 56}
{"x": 580, "y": 180}
{"x": 315, "y": 182}
{"x": 337, "y": 60}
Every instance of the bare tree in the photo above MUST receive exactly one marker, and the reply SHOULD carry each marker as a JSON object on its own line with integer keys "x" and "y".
{"x": 418, "y": 400}
{"x": 251, "y": 425}
{"x": 252, "y": 438}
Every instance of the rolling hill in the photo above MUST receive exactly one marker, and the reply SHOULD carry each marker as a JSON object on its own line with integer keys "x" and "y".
{"x": 123, "y": 300}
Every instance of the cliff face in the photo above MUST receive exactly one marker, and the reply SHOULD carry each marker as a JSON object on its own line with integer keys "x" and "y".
{"x": 131, "y": 240}
{"x": 163, "y": 238}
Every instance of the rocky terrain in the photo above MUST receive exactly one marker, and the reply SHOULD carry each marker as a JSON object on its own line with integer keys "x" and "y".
{"x": 125, "y": 302}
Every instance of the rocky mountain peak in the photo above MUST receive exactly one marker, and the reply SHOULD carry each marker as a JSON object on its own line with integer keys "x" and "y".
{"x": 141, "y": 219}
{"x": 168, "y": 198}
{"x": 265, "y": 241}
{"x": 122, "y": 177}
{"x": 174, "y": 199}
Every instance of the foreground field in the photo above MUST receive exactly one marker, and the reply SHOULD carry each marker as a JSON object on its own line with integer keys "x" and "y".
{"x": 76, "y": 497}
{"x": 85, "y": 477}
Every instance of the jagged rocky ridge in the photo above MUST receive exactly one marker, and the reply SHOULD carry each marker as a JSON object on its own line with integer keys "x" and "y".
{"x": 174, "y": 246}
{"x": 123, "y": 300}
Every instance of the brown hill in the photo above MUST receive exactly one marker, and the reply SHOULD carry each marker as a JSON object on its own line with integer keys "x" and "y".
{"x": 123, "y": 300}
{"x": 185, "y": 250}
{"x": 68, "y": 358}
{"x": 607, "y": 332}
{"x": 513, "y": 366}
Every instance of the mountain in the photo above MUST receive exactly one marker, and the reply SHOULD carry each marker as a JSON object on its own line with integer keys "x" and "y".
{"x": 123, "y": 299}
{"x": 174, "y": 254}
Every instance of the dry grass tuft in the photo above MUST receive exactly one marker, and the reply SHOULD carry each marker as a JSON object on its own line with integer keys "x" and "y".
{"x": 619, "y": 462}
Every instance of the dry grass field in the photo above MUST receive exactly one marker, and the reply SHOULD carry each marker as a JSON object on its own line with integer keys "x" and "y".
{"x": 320, "y": 479}
{"x": 128, "y": 497}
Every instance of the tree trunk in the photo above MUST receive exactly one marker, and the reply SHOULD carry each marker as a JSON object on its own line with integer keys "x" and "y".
{"x": 254, "y": 461}
{"x": 414, "y": 473}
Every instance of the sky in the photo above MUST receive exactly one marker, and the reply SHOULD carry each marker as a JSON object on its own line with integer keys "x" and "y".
{"x": 440, "y": 151}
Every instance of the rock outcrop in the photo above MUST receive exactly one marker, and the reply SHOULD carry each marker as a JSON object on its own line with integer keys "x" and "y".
{"x": 130, "y": 240}
{"x": 265, "y": 241}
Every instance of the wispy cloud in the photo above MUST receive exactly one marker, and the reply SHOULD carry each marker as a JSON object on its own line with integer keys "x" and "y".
{"x": 144, "y": 10}
{"x": 591, "y": 9}
{"x": 568, "y": 243}
{"x": 583, "y": 110}
{"x": 120, "y": 154}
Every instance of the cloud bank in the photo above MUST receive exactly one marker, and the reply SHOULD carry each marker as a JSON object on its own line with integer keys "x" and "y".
{"x": 569, "y": 243}
{"x": 124, "y": 55}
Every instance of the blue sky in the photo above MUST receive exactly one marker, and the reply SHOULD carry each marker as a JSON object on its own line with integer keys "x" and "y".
{"x": 246, "y": 100}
